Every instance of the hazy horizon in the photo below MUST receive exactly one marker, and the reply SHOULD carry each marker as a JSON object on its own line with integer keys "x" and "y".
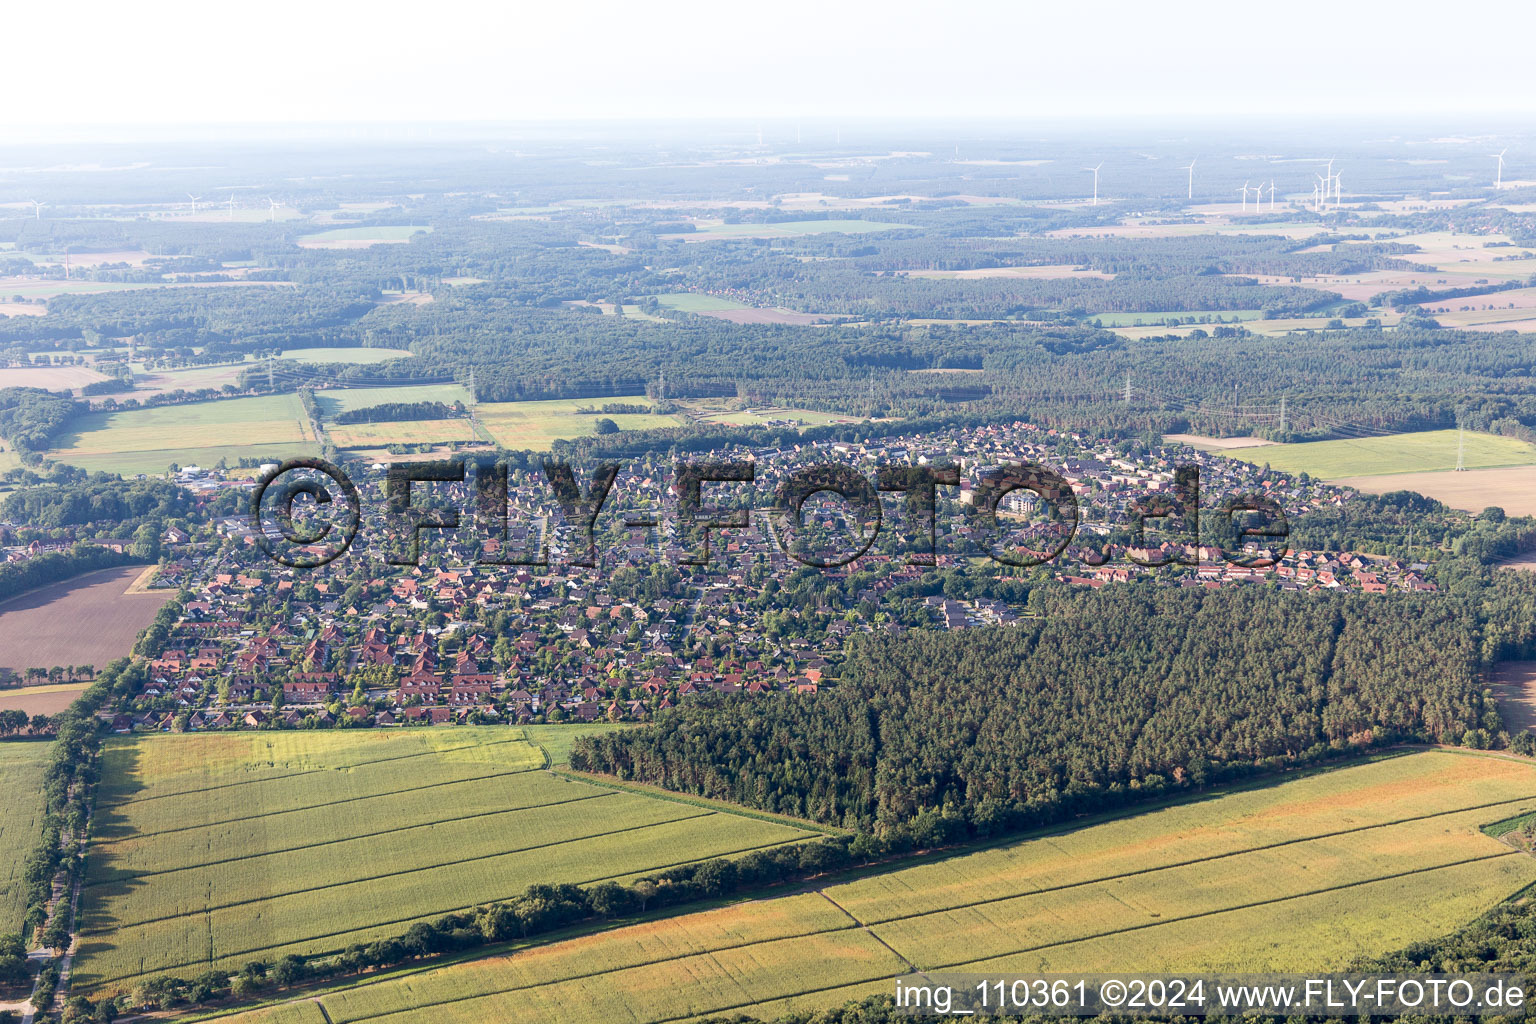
{"x": 301, "y": 64}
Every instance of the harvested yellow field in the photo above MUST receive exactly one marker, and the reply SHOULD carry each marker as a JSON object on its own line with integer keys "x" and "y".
{"x": 537, "y": 425}
{"x": 1512, "y": 488}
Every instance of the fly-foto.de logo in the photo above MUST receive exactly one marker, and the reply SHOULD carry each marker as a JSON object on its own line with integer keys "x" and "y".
{"x": 297, "y": 520}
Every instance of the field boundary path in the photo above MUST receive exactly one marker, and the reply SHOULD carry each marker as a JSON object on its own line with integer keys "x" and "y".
{"x": 866, "y": 929}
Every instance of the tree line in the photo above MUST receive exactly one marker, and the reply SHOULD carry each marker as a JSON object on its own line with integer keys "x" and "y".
{"x": 386, "y": 412}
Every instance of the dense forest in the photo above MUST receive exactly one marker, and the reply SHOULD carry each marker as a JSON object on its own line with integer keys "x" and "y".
{"x": 389, "y": 411}
{"x": 30, "y": 418}
{"x": 1035, "y": 340}
{"x": 1101, "y": 699}
{"x": 99, "y": 499}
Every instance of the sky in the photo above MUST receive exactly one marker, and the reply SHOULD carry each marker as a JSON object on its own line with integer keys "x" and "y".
{"x": 173, "y": 62}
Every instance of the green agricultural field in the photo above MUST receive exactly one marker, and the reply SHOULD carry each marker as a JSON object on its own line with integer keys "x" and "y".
{"x": 31, "y": 290}
{"x": 1420, "y": 452}
{"x": 692, "y": 302}
{"x": 788, "y": 229}
{"x": 1304, "y": 874}
{"x": 337, "y": 400}
{"x": 198, "y": 433}
{"x": 556, "y": 740}
{"x": 374, "y": 435}
{"x": 209, "y": 850}
{"x": 21, "y": 822}
{"x": 348, "y": 237}
{"x": 344, "y": 355}
{"x": 537, "y": 425}
{"x": 185, "y": 378}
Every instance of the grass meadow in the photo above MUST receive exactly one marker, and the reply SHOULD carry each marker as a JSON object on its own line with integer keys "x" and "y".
{"x": 212, "y": 849}
{"x": 536, "y": 425}
{"x": 1419, "y": 452}
{"x": 1303, "y": 874}
{"x": 372, "y": 435}
{"x": 693, "y": 302}
{"x": 21, "y": 822}
{"x": 338, "y": 400}
{"x": 198, "y": 433}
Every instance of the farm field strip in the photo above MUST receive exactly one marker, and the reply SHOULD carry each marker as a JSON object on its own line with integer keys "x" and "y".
{"x": 328, "y": 806}
{"x": 295, "y": 791}
{"x": 1420, "y": 451}
{"x": 246, "y": 857}
{"x": 1401, "y": 789}
{"x": 843, "y": 983}
{"x": 1194, "y": 862}
{"x": 1252, "y": 879}
{"x": 731, "y": 969}
{"x": 1512, "y": 488}
{"x": 1405, "y": 859}
{"x": 258, "y": 885}
{"x": 1298, "y": 934}
{"x": 714, "y": 981}
{"x": 630, "y": 876}
{"x": 361, "y": 835}
{"x": 155, "y": 462}
{"x": 1253, "y": 905}
{"x": 149, "y": 439}
{"x": 313, "y": 771}
{"x": 209, "y": 939}
{"x": 338, "y": 400}
{"x": 537, "y": 424}
{"x": 642, "y": 945}
{"x": 110, "y": 440}
{"x": 698, "y": 302}
{"x": 363, "y": 435}
{"x": 21, "y": 820}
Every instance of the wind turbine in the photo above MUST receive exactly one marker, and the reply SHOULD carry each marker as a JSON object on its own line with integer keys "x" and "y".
{"x": 1498, "y": 181}
{"x": 273, "y": 204}
{"x": 1271, "y": 196}
{"x": 1245, "y": 197}
{"x": 231, "y": 206}
{"x": 37, "y": 209}
{"x": 194, "y": 202}
{"x": 1338, "y": 191}
{"x": 1095, "y": 171}
{"x": 1322, "y": 190}
{"x": 1191, "y": 170}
